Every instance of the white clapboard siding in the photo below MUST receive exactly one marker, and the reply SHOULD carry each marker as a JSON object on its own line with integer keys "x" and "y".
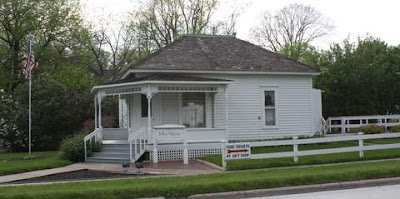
{"x": 169, "y": 108}
{"x": 123, "y": 111}
{"x": 209, "y": 110}
{"x": 245, "y": 100}
{"x": 298, "y": 106}
{"x": 220, "y": 113}
{"x": 317, "y": 110}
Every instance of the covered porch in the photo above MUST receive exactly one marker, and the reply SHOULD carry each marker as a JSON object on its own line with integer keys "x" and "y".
{"x": 163, "y": 114}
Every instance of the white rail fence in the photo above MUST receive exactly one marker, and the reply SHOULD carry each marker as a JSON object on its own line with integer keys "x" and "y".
{"x": 95, "y": 136}
{"x": 345, "y": 123}
{"x": 296, "y": 153}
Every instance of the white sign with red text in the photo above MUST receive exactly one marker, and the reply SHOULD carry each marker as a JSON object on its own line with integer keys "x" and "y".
{"x": 237, "y": 151}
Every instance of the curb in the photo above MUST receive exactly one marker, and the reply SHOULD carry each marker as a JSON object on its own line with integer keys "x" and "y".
{"x": 298, "y": 189}
{"x": 211, "y": 165}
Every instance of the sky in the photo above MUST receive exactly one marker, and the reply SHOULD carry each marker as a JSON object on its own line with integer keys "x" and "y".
{"x": 351, "y": 18}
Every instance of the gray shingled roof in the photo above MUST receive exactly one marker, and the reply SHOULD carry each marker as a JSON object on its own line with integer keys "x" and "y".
{"x": 166, "y": 77}
{"x": 224, "y": 53}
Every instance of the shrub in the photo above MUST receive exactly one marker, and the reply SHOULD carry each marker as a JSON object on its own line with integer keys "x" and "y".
{"x": 395, "y": 129}
{"x": 73, "y": 148}
{"x": 372, "y": 129}
{"x": 354, "y": 130}
{"x": 12, "y": 136}
{"x": 95, "y": 147}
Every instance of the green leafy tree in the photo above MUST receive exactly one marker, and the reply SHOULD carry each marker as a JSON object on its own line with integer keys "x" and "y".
{"x": 304, "y": 53}
{"x": 361, "y": 79}
{"x": 75, "y": 78}
{"x": 49, "y": 23}
{"x": 57, "y": 111}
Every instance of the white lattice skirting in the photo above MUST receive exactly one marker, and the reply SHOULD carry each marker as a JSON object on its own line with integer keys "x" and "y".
{"x": 176, "y": 153}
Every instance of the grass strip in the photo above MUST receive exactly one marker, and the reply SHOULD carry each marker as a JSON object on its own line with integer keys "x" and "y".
{"x": 11, "y": 163}
{"x": 175, "y": 187}
{"x": 309, "y": 160}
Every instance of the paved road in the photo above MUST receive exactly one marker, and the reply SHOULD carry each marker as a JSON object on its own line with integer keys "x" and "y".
{"x": 379, "y": 192}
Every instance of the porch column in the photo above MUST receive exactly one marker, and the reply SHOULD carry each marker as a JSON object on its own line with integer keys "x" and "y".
{"x": 226, "y": 113}
{"x": 95, "y": 113}
{"x": 120, "y": 112}
{"x": 149, "y": 95}
{"x": 99, "y": 99}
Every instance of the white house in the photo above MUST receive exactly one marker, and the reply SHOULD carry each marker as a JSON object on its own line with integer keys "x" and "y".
{"x": 206, "y": 89}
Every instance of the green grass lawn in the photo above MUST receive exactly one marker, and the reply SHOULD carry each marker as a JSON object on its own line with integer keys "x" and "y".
{"x": 174, "y": 187}
{"x": 309, "y": 160}
{"x": 11, "y": 163}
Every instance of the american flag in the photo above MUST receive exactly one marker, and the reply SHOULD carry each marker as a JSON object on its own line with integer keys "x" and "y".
{"x": 30, "y": 61}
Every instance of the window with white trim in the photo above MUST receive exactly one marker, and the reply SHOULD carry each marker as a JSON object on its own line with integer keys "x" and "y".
{"x": 193, "y": 110}
{"x": 270, "y": 108}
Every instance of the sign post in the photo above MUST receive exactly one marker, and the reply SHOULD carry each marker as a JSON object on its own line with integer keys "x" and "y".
{"x": 223, "y": 152}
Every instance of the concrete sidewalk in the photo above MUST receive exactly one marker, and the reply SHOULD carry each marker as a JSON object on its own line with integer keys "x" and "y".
{"x": 39, "y": 173}
{"x": 162, "y": 168}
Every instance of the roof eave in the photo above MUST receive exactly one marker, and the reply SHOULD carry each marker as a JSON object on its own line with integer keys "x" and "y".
{"x": 216, "y": 71}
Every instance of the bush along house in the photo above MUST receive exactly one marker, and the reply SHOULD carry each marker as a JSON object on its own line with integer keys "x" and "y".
{"x": 187, "y": 98}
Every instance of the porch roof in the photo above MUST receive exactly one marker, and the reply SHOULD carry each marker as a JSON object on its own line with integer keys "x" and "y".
{"x": 162, "y": 78}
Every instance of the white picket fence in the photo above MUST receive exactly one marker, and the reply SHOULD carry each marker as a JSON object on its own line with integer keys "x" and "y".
{"x": 296, "y": 153}
{"x": 345, "y": 123}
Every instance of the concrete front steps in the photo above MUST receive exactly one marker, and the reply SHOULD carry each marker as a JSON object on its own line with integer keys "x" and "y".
{"x": 114, "y": 149}
{"x": 112, "y": 153}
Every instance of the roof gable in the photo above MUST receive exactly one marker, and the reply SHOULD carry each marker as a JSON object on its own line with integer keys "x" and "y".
{"x": 221, "y": 53}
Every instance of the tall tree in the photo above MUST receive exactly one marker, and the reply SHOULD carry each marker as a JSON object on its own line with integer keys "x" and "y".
{"x": 163, "y": 21}
{"x": 44, "y": 21}
{"x": 113, "y": 50}
{"x": 291, "y": 25}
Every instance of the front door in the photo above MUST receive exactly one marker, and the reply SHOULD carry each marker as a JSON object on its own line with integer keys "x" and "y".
{"x": 169, "y": 108}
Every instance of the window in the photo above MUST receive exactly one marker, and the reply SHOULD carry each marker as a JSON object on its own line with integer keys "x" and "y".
{"x": 270, "y": 108}
{"x": 193, "y": 110}
{"x": 145, "y": 105}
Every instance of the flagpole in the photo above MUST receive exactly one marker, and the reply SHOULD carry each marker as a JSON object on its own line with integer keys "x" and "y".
{"x": 30, "y": 100}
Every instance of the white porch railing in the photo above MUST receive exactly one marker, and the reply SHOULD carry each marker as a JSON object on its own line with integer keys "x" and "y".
{"x": 96, "y": 135}
{"x": 325, "y": 127}
{"x": 170, "y": 133}
{"x": 347, "y": 122}
{"x": 295, "y": 142}
{"x": 137, "y": 140}
{"x": 197, "y": 135}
